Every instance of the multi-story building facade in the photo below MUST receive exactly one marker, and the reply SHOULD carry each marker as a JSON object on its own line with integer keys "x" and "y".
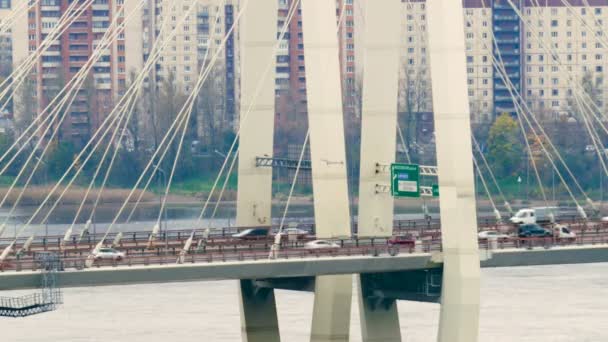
{"x": 56, "y": 65}
{"x": 545, "y": 48}
{"x": 200, "y": 29}
{"x": 291, "y": 66}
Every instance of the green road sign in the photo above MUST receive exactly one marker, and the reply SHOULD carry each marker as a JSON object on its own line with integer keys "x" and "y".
{"x": 405, "y": 180}
{"x": 435, "y": 190}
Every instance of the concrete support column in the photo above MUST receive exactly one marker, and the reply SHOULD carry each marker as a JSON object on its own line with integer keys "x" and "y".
{"x": 331, "y": 311}
{"x": 258, "y": 30}
{"x": 459, "y": 317}
{"x": 378, "y": 135}
{"x": 379, "y": 113}
{"x": 258, "y": 314}
{"x": 379, "y": 323}
{"x": 333, "y": 294}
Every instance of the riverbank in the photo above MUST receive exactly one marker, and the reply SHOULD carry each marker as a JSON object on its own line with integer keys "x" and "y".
{"x": 35, "y": 195}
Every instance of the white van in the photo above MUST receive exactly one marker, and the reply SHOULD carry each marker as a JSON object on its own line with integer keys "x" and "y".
{"x": 535, "y": 215}
{"x": 563, "y": 233}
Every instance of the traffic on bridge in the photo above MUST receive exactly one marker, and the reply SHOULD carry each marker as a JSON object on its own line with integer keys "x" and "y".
{"x": 298, "y": 241}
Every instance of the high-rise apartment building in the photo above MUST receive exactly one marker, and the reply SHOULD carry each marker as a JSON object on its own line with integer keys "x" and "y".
{"x": 56, "y": 65}
{"x": 545, "y": 47}
{"x": 200, "y": 29}
{"x": 291, "y": 66}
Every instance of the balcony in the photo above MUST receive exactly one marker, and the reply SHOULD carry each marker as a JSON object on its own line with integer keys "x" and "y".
{"x": 505, "y": 109}
{"x": 507, "y": 52}
{"x": 506, "y": 17}
{"x": 511, "y": 63}
{"x": 510, "y": 40}
{"x": 498, "y": 5}
{"x": 498, "y": 98}
{"x": 506, "y": 28}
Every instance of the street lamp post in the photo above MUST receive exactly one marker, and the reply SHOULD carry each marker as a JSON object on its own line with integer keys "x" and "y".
{"x": 519, "y": 186}
{"x": 160, "y": 197}
{"x": 46, "y": 181}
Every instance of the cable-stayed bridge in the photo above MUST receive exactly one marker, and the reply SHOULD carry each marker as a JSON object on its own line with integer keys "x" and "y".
{"x": 443, "y": 266}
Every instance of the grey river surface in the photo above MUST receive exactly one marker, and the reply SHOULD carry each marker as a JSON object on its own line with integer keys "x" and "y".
{"x": 551, "y": 303}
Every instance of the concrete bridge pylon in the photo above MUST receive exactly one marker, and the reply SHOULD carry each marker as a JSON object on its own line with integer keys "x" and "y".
{"x": 258, "y": 35}
{"x": 459, "y": 316}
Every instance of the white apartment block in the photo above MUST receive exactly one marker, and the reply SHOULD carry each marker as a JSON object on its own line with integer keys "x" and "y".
{"x": 575, "y": 34}
{"x": 563, "y": 45}
{"x": 415, "y": 85}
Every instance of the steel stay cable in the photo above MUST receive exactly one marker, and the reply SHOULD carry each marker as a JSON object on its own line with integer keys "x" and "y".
{"x": 69, "y": 99}
{"x": 28, "y": 64}
{"x": 578, "y": 94}
{"x": 114, "y": 221}
{"x": 485, "y": 186}
{"x": 483, "y": 158}
{"x": 147, "y": 66}
{"x": 203, "y": 75}
{"x": 499, "y": 65}
{"x": 24, "y": 68}
{"x": 91, "y": 154}
{"x": 274, "y": 251}
{"x": 291, "y": 13}
{"x": 72, "y": 86}
{"x": 558, "y": 155}
{"x": 276, "y": 246}
{"x": 515, "y": 94}
{"x": 191, "y": 105}
{"x": 132, "y": 92}
{"x": 15, "y": 13}
{"x": 112, "y": 116}
{"x": 548, "y": 155}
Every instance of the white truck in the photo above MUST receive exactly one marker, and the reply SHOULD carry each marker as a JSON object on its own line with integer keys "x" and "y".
{"x": 535, "y": 215}
{"x": 563, "y": 233}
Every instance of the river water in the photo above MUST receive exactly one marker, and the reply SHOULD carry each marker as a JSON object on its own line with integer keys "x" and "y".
{"x": 549, "y": 303}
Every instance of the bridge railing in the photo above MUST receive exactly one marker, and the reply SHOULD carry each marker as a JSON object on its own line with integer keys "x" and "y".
{"x": 253, "y": 251}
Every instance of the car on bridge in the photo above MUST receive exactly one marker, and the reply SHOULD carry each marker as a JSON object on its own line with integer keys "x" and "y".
{"x": 533, "y": 230}
{"x": 563, "y": 233}
{"x": 487, "y": 234}
{"x": 108, "y": 254}
{"x": 402, "y": 240}
{"x": 534, "y": 215}
{"x": 321, "y": 244}
{"x": 299, "y": 233}
{"x": 252, "y": 234}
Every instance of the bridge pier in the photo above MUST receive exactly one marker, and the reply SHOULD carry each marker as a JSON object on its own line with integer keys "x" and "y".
{"x": 331, "y": 311}
{"x": 259, "y": 321}
{"x": 379, "y": 318}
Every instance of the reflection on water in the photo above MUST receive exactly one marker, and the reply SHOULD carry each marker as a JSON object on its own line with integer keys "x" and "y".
{"x": 530, "y": 304}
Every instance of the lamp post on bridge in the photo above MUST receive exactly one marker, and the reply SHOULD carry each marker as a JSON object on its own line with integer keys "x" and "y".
{"x": 46, "y": 181}
{"x": 160, "y": 198}
{"x": 225, "y": 156}
{"x": 519, "y": 186}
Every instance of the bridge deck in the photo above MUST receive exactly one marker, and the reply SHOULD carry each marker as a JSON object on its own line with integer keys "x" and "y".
{"x": 299, "y": 267}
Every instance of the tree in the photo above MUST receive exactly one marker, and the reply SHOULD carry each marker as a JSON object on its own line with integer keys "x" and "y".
{"x": 505, "y": 146}
{"x": 211, "y": 122}
{"x": 60, "y": 158}
{"x": 413, "y": 99}
{"x": 26, "y": 108}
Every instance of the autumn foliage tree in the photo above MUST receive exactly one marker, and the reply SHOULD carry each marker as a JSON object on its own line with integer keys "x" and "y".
{"x": 505, "y": 146}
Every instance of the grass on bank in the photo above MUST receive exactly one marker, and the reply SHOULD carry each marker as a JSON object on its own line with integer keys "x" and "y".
{"x": 35, "y": 195}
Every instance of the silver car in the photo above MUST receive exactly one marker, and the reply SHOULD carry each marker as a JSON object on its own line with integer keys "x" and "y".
{"x": 108, "y": 254}
{"x": 321, "y": 244}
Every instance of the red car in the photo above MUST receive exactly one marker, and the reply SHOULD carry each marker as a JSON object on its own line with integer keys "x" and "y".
{"x": 404, "y": 240}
